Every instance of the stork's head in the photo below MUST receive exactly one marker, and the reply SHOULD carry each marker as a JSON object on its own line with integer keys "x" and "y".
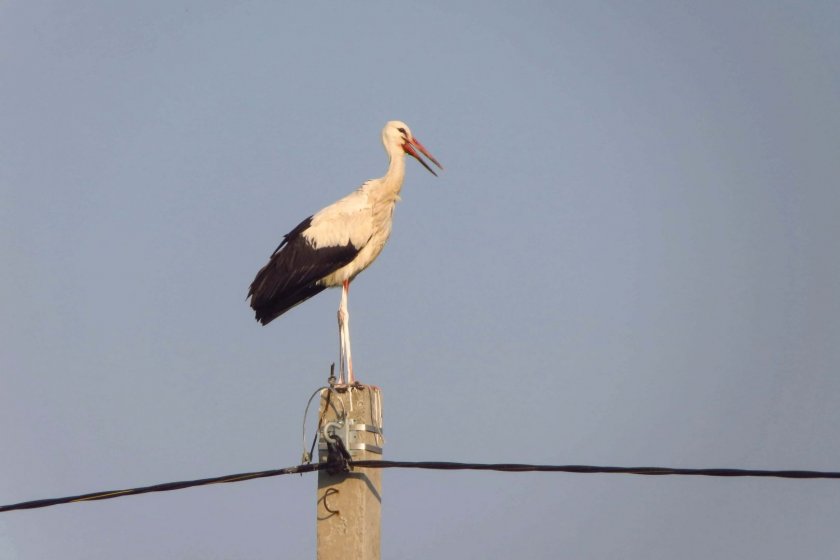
{"x": 397, "y": 137}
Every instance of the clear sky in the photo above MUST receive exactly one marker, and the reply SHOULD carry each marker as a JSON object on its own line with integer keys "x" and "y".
{"x": 631, "y": 258}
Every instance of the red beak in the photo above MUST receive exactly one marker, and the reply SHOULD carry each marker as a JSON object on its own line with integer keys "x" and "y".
{"x": 415, "y": 143}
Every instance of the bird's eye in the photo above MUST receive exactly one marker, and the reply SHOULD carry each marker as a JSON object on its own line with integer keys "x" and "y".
{"x": 401, "y": 130}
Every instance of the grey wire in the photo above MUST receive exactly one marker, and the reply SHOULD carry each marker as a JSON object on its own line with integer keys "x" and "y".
{"x": 307, "y": 456}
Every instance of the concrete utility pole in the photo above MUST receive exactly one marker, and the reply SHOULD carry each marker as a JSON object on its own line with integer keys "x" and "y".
{"x": 349, "y": 503}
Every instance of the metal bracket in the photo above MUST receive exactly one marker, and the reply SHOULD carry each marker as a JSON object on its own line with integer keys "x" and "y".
{"x": 347, "y": 431}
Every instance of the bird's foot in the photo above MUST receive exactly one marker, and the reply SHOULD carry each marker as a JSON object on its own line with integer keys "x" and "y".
{"x": 347, "y": 385}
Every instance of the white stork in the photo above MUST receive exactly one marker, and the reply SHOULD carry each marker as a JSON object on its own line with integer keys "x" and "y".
{"x": 329, "y": 248}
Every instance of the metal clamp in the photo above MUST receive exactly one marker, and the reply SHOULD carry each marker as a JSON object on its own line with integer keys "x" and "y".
{"x": 347, "y": 431}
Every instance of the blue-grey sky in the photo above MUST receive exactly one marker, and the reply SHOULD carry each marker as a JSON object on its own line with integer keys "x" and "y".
{"x": 631, "y": 258}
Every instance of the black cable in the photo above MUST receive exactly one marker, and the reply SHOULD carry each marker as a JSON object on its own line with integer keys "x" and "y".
{"x": 436, "y": 465}
{"x": 589, "y": 469}
{"x": 163, "y": 487}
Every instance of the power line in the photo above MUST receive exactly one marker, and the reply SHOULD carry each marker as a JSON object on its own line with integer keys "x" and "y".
{"x": 163, "y": 487}
{"x": 338, "y": 464}
{"x": 589, "y": 469}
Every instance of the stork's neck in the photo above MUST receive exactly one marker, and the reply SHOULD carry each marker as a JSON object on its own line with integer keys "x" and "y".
{"x": 396, "y": 170}
{"x": 391, "y": 184}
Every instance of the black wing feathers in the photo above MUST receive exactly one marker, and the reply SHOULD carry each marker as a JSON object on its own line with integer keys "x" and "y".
{"x": 299, "y": 229}
{"x": 291, "y": 274}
